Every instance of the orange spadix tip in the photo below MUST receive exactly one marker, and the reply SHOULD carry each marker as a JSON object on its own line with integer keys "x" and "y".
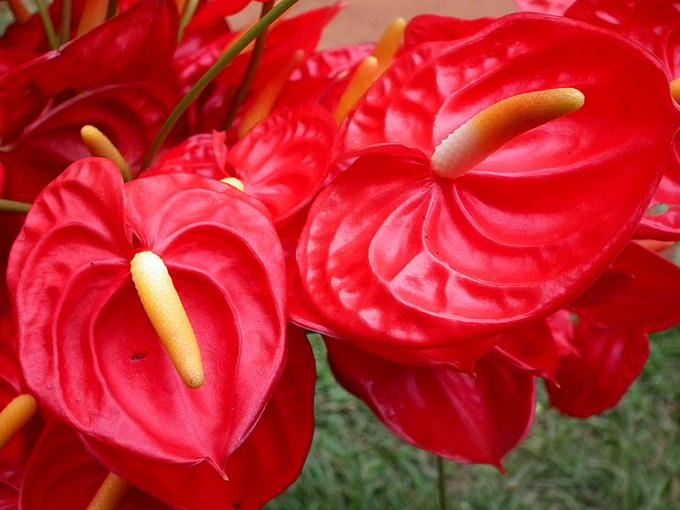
{"x": 493, "y": 127}
{"x": 264, "y": 103}
{"x": 365, "y": 75}
{"x": 168, "y": 316}
{"x": 94, "y": 14}
{"x": 110, "y": 493}
{"x": 390, "y": 43}
{"x": 15, "y": 415}
{"x": 675, "y": 90}
{"x": 235, "y": 182}
{"x": 101, "y": 146}
{"x": 19, "y": 10}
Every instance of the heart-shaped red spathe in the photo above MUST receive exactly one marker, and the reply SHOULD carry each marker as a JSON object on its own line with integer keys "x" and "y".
{"x": 545, "y": 6}
{"x": 269, "y": 460}
{"x": 655, "y": 24}
{"x": 393, "y": 254}
{"x": 129, "y": 114}
{"x": 63, "y": 474}
{"x": 87, "y": 348}
{"x": 641, "y": 290}
{"x": 458, "y": 416}
{"x": 136, "y": 46}
{"x": 429, "y": 28}
{"x": 607, "y": 360}
{"x": 283, "y": 161}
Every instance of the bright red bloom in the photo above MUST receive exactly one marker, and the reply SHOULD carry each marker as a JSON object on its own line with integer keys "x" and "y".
{"x": 62, "y": 474}
{"x": 393, "y": 254}
{"x": 473, "y": 419}
{"x": 283, "y": 161}
{"x": 74, "y": 298}
{"x": 268, "y": 461}
{"x": 608, "y": 328}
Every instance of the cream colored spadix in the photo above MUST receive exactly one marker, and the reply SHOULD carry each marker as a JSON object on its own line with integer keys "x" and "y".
{"x": 15, "y": 415}
{"x": 167, "y": 315}
{"x": 493, "y": 127}
{"x": 101, "y": 146}
{"x": 235, "y": 182}
{"x": 110, "y": 493}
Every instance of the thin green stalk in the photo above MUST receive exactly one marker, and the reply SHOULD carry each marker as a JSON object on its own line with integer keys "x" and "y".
{"x": 65, "y": 32}
{"x": 441, "y": 484}
{"x": 187, "y": 15}
{"x": 12, "y": 206}
{"x": 47, "y": 24}
{"x": 249, "y": 76}
{"x": 212, "y": 73}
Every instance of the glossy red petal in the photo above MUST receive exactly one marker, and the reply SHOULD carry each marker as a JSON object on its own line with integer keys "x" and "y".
{"x": 285, "y": 159}
{"x": 62, "y": 474}
{"x": 428, "y": 28}
{"x": 269, "y": 460}
{"x": 531, "y": 348}
{"x": 76, "y": 302}
{"x": 608, "y": 361}
{"x": 135, "y": 46}
{"x": 457, "y": 416}
{"x": 641, "y": 290}
{"x": 130, "y": 115}
{"x": 393, "y": 255}
{"x": 203, "y": 155}
{"x": 546, "y": 6}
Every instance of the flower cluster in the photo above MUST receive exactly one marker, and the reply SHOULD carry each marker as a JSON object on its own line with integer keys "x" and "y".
{"x": 460, "y": 209}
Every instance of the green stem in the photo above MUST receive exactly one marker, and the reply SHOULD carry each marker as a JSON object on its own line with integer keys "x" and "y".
{"x": 66, "y": 10}
{"x": 47, "y": 24}
{"x": 15, "y": 207}
{"x": 211, "y": 74}
{"x": 248, "y": 78}
{"x": 441, "y": 484}
{"x": 187, "y": 15}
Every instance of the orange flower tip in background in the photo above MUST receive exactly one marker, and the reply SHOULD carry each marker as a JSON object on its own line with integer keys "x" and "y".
{"x": 264, "y": 103}
{"x": 15, "y": 416}
{"x": 389, "y": 44}
{"x": 235, "y": 182}
{"x": 496, "y": 125}
{"x": 110, "y": 493}
{"x": 21, "y": 13}
{"x": 181, "y": 5}
{"x": 365, "y": 75}
{"x": 168, "y": 316}
{"x": 94, "y": 14}
{"x": 101, "y": 146}
{"x": 675, "y": 90}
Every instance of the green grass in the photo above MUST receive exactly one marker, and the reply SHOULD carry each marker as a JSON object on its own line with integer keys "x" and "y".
{"x": 626, "y": 459}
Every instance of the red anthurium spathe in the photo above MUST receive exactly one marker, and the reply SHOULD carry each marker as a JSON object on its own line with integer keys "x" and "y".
{"x": 283, "y": 161}
{"x": 473, "y": 419}
{"x": 607, "y": 329}
{"x": 62, "y": 474}
{"x": 653, "y": 24}
{"x": 447, "y": 240}
{"x": 545, "y": 6}
{"x": 428, "y": 28}
{"x": 219, "y": 313}
{"x": 269, "y": 460}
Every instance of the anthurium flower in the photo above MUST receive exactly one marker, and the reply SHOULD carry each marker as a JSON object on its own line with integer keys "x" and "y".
{"x": 283, "y": 161}
{"x": 653, "y": 24}
{"x": 608, "y": 329}
{"x": 486, "y": 221}
{"x": 269, "y": 460}
{"x": 62, "y": 474}
{"x": 472, "y": 419}
{"x": 163, "y": 302}
{"x": 545, "y": 6}
{"x": 135, "y": 46}
{"x": 429, "y": 28}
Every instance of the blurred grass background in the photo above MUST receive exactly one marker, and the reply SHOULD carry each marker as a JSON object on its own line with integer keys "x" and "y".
{"x": 627, "y": 459}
